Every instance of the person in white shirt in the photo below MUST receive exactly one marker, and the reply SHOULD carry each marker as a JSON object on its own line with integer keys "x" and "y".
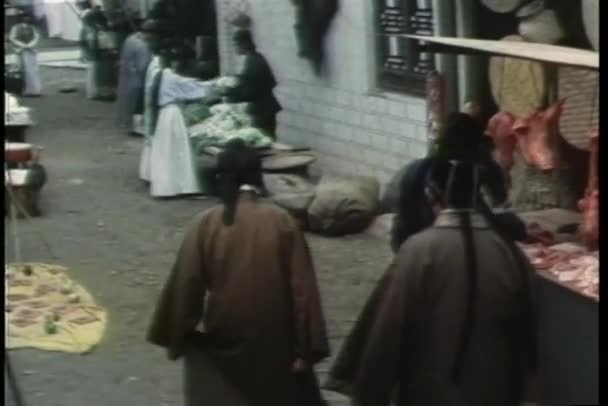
{"x": 24, "y": 37}
{"x": 172, "y": 168}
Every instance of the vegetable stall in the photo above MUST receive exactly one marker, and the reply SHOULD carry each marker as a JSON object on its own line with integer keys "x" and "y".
{"x": 563, "y": 241}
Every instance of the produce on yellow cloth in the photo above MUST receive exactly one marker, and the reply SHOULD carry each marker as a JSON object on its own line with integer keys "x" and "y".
{"x": 46, "y": 310}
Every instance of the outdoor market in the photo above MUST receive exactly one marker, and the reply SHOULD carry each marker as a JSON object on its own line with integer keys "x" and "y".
{"x": 263, "y": 118}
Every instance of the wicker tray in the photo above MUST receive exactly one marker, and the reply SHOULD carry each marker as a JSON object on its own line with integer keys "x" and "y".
{"x": 518, "y": 86}
{"x": 288, "y": 161}
{"x": 581, "y": 111}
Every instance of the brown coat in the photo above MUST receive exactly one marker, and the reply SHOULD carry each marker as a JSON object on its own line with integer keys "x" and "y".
{"x": 253, "y": 287}
{"x": 405, "y": 342}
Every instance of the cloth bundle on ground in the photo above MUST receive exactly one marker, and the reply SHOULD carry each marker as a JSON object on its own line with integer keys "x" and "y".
{"x": 291, "y": 192}
{"x": 227, "y": 121}
{"x": 343, "y": 205}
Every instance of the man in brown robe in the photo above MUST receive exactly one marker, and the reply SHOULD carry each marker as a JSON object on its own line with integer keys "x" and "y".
{"x": 242, "y": 304}
{"x": 453, "y": 321}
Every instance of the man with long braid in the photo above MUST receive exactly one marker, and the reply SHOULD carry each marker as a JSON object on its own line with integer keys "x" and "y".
{"x": 453, "y": 320}
{"x": 242, "y": 304}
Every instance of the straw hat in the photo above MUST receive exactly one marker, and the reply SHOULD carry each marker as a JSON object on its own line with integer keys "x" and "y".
{"x": 502, "y": 6}
{"x": 580, "y": 88}
{"x": 543, "y": 27}
{"x": 591, "y": 20}
{"x": 531, "y": 9}
{"x": 518, "y": 86}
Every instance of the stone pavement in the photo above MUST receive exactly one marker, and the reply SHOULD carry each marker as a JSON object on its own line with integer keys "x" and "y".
{"x": 100, "y": 222}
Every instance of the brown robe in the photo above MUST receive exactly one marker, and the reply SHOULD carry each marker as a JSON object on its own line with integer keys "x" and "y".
{"x": 253, "y": 288}
{"x": 404, "y": 345}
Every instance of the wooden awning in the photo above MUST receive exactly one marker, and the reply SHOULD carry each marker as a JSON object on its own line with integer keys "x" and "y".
{"x": 523, "y": 50}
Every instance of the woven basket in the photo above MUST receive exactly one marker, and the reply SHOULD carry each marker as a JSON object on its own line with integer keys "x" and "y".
{"x": 580, "y": 88}
{"x": 502, "y": 6}
{"x": 518, "y": 86}
{"x": 543, "y": 28}
{"x": 591, "y": 20}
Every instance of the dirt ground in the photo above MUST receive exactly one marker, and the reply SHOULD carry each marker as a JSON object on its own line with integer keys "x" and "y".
{"x": 117, "y": 241}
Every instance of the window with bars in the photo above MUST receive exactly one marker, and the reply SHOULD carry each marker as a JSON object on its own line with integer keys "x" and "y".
{"x": 401, "y": 66}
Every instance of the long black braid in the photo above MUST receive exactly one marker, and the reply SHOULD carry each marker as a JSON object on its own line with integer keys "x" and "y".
{"x": 456, "y": 172}
{"x": 456, "y": 169}
{"x": 454, "y": 180}
{"x": 237, "y": 165}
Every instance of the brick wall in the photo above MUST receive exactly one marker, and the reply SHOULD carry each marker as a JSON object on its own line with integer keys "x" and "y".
{"x": 354, "y": 128}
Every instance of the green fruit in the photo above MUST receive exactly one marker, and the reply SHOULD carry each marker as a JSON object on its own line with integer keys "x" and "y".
{"x": 27, "y": 270}
{"x": 50, "y": 327}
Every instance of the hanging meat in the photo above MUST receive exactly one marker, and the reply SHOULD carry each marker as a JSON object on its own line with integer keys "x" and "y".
{"x": 537, "y": 136}
{"x": 589, "y": 205}
{"x": 500, "y": 128}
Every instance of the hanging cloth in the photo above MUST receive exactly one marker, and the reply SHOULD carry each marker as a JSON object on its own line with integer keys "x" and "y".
{"x": 313, "y": 18}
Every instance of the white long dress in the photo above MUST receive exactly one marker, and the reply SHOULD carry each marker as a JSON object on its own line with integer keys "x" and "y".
{"x": 172, "y": 169}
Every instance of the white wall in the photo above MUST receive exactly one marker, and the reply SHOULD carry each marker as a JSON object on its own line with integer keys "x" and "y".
{"x": 354, "y": 128}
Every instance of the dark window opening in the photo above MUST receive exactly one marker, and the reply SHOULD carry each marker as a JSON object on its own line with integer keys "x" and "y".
{"x": 401, "y": 66}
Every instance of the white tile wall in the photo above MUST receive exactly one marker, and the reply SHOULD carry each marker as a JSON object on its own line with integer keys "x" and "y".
{"x": 352, "y": 131}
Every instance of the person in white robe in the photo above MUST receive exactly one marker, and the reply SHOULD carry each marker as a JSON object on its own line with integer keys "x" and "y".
{"x": 172, "y": 166}
{"x": 134, "y": 60}
{"x": 24, "y": 37}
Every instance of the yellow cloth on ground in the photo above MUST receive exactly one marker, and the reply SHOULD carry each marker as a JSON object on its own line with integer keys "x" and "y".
{"x": 46, "y": 310}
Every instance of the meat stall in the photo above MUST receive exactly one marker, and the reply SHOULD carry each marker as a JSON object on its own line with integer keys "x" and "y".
{"x": 567, "y": 263}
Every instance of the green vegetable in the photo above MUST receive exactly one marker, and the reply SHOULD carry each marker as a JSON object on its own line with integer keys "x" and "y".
{"x": 27, "y": 270}
{"x": 50, "y": 327}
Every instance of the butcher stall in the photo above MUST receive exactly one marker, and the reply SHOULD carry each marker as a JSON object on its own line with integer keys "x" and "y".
{"x": 538, "y": 139}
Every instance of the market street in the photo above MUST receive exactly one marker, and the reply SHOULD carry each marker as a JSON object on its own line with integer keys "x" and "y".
{"x": 100, "y": 222}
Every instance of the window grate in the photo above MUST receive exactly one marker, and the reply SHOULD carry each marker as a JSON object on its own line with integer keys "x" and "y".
{"x": 401, "y": 65}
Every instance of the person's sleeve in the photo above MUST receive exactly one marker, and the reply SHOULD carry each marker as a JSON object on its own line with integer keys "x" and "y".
{"x": 511, "y": 225}
{"x": 35, "y": 39}
{"x": 180, "y": 88}
{"x": 385, "y": 352}
{"x": 345, "y": 368}
{"x": 249, "y": 84}
{"x": 142, "y": 59}
{"x": 180, "y": 306}
{"x": 311, "y": 343}
{"x": 13, "y": 37}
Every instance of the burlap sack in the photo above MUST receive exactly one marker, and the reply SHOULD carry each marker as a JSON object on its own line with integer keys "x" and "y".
{"x": 291, "y": 192}
{"x": 343, "y": 205}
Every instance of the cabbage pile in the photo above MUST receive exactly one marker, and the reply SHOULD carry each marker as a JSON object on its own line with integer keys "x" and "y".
{"x": 227, "y": 121}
